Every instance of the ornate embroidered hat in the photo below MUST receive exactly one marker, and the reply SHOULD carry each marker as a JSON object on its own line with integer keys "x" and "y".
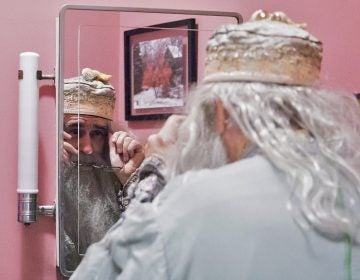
{"x": 89, "y": 94}
{"x": 269, "y": 48}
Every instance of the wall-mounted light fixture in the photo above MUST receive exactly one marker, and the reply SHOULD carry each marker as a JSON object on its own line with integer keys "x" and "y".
{"x": 27, "y": 187}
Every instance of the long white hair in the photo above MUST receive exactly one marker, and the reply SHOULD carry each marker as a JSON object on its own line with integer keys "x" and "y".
{"x": 310, "y": 134}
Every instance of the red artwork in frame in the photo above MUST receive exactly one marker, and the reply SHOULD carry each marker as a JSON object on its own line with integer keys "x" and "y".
{"x": 160, "y": 64}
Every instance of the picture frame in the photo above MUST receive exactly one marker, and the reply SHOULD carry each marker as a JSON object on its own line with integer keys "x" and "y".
{"x": 160, "y": 65}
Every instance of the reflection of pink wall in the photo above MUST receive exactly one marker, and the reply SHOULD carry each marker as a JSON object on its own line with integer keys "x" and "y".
{"x": 90, "y": 42}
{"x": 29, "y": 253}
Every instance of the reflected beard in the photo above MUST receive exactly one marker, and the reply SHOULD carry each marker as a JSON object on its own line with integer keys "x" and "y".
{"x": 98, "y": 209}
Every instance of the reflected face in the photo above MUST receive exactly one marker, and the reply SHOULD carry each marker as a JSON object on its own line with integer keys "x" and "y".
{"x": 88, "y": 133}
{"x": 89, "y": 202}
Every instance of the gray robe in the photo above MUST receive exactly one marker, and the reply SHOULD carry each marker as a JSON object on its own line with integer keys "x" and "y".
{"x": 228, "y": 223}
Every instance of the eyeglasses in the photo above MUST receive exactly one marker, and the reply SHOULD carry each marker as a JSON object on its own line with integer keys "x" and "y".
{"x": 90, "y": 166}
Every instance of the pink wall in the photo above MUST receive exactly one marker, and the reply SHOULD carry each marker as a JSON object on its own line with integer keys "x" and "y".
{"x": 29, "y": 253}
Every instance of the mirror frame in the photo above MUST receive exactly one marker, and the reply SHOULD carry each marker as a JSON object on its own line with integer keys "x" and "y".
{"x": 60, "y": 78}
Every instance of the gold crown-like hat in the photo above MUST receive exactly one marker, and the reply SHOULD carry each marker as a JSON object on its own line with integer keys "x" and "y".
{"x": 269, "y": 48}
{"x": 89, "y": 94}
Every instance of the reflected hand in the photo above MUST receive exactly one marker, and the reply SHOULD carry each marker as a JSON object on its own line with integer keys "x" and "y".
{"x": 68, "y": 149}
{"x": 161, "y": 142}
{"x": 126, "y": 153}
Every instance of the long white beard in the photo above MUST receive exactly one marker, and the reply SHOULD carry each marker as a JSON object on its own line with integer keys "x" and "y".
{"x": 89, "y": 202}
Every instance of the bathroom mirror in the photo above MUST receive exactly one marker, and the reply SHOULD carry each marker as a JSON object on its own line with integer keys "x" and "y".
{"x": 153, "y": 56}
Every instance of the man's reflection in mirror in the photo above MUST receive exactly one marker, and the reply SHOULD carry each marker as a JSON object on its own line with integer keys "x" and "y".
{"x": 98, "y": 164}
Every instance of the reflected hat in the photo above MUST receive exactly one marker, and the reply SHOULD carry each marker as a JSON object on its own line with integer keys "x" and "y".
{"x": 89, "y": 94}
{"x": 269, "y": 48}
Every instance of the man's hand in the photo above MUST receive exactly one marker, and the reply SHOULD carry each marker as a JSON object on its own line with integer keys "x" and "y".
{"x": 161, "y": 142}
{"x": 126, "y": 154}
{"x": 68, "y": 149}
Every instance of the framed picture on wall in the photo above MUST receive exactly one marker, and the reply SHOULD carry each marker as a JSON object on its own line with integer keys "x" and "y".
{"x": 160, "y": 65}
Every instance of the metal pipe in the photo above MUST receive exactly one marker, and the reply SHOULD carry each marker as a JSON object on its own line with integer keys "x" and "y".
{"x": 47, "y": 210}
{"x": 27, "y": 208}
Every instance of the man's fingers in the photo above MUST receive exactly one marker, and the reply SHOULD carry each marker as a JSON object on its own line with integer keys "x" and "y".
{"x": 133, "y": 147}
{"x": 65, "y": 157}
{"x": 126, "y": 152}
{"x": 119, "y": 143}
{"x": 70, "y": 148}
{"x": 112, "y": 146}
{"x": 125, "y": 144}
{"x": 66, "y": 136}
{"x": 118, "y": 139}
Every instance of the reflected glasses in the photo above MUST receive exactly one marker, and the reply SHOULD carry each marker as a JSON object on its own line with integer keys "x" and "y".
{"x": 90, "y": 166}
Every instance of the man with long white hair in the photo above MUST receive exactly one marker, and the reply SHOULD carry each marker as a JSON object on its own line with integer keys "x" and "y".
{"x": 264, "y": 178}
